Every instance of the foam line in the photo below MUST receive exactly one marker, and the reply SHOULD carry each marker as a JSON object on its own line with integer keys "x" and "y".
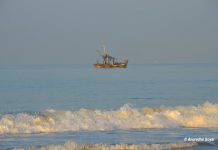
{"x": 70, "y": 145}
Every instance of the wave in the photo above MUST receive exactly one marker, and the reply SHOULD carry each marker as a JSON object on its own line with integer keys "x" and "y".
{"x": 126, "y": 117}
{"x": 70, "y": 145}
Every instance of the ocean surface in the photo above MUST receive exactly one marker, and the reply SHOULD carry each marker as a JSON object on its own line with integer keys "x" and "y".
{"x": 168, "y": 106}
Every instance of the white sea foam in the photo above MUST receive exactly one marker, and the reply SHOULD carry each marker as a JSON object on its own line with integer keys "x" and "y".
{"x": 70, "y": 145}
{"x": 202, "y": 116}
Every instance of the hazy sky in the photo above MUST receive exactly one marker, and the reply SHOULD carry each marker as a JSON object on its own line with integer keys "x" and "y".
{"x": 145, "y": 31}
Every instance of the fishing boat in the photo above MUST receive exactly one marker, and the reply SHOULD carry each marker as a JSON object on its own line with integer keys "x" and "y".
{"x": 110, "y": 61}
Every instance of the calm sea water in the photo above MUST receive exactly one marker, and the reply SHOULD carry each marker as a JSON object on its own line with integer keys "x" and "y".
{"x": 41, "y": 105}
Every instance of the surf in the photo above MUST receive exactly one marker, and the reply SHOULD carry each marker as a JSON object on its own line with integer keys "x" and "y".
{"x": 124, "y": 118}
{"x": 71, "y": 145}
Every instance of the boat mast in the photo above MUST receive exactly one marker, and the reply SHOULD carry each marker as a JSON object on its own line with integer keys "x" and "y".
{"x": 105, "y": 55}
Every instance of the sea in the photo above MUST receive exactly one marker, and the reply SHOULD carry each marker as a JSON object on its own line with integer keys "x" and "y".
{"x": 72, "y": 106}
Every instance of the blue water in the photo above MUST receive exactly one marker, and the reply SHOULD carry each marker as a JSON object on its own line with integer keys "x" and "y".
{"x": 36, "y": 89}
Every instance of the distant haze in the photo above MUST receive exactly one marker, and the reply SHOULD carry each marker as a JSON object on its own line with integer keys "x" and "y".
{"x": 144, "y": 31}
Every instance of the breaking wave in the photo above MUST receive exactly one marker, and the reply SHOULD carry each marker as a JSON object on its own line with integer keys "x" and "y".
{"x": 70, "y": 145}
{"x": 126, "y": 117}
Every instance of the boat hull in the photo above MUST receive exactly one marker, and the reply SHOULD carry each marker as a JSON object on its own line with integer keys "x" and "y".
{"x": 110, "y": 65}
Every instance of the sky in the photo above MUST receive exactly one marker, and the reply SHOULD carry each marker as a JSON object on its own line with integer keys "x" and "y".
{"x": 144, "y": 31}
